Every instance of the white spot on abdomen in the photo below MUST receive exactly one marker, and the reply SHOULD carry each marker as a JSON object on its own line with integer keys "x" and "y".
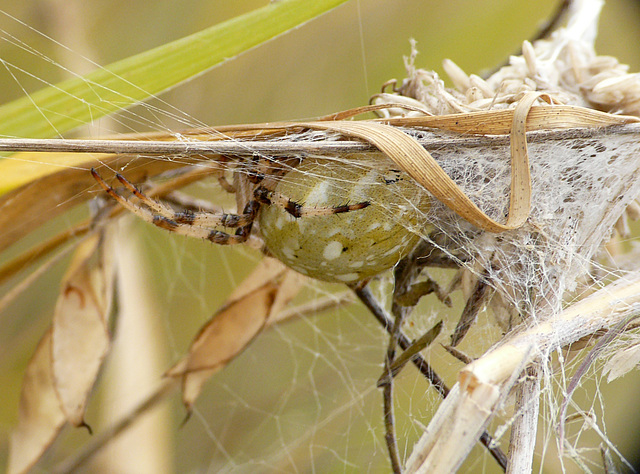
{"x": 348, "y": 277}
{"x": 318, "y": 195}
{"x": 333, "y": 250}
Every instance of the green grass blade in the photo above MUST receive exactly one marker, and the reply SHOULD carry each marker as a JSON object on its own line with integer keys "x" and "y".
{"x": 74, "y": 102}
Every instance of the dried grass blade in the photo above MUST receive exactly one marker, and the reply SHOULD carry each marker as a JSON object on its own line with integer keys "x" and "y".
{"x": 499, "y": 122}
{"x": 520, "y": 199}
{"x": 80, "y": 336}
{"x": 407, "y": 153}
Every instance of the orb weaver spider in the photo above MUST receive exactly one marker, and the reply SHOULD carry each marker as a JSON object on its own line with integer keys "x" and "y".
{"x": 305, "y": 217}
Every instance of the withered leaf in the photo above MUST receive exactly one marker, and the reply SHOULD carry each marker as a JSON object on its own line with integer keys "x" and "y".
{"x": 40, "y": 416}
{"x": 65, "y": 365}
{"x": 80, "y": 337}
{"x": 289, "y": 287}
{"x": 622, "y": 362}
{"x": 267, "y": 290}
{"x": 269, "y": 269}
{"x": 38, "y": 201}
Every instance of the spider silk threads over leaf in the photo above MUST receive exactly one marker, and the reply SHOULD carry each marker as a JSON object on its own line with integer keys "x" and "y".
{"x": 268, "y": 289}
{"x": 61, "y": 107}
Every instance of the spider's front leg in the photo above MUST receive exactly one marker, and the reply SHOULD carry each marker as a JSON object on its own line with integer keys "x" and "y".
{"x": 191, "y": 224}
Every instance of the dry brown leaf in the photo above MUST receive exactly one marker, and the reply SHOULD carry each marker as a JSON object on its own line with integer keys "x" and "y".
{"x": 80, "y": 336}
{"x": 622, "y": 362}
{"x": 264, "y": 293}
{"x": 40, "y": 416}
{"x": 222, "y": 339}
{"x": 66, "y": 362}
{"x": 287, "y": 290}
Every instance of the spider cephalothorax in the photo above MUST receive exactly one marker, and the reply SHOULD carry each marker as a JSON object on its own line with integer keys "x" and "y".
{"x": 334, "y": 220}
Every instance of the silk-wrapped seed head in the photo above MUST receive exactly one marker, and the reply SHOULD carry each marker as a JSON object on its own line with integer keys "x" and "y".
{"x": 352, "y": 245}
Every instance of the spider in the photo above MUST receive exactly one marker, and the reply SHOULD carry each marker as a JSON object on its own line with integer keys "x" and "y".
{"x": 305, "y": 219}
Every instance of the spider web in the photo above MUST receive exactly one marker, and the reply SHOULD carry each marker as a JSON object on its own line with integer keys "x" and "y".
{"x": 303, "y": 396}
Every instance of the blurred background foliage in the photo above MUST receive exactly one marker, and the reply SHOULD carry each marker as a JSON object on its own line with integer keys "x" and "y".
{"x": 303, "y": 397}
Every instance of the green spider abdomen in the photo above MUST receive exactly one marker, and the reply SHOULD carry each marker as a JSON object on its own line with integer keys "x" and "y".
{"x": 347, "y": 246}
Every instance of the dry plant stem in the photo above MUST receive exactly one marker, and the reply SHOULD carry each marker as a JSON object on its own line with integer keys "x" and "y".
{"x": 289, "y": 147}
{"x": 367, "y": 298}
{"x": 458, "y": 354}
{"x": 483, "y": 383}
{"x": 313, "y": 307}
{"x": 454, "y": 429}
{"x": 399, "y": 314}
{"x": 524, "y": 428}
{"x": 389, "y": 420}
{"x": 404, "y": 275}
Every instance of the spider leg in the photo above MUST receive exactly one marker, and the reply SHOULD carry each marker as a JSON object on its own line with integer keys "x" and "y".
{"x": 191, "y": 224}
{"x": 264, "y": 195}
{"x": 203, "y": 219}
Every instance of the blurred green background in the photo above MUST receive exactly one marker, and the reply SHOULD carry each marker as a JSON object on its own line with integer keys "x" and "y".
{"x": 303, "y": 397}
